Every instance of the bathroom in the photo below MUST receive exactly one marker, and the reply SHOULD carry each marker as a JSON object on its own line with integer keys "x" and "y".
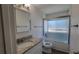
{"x": 40, "y": 28}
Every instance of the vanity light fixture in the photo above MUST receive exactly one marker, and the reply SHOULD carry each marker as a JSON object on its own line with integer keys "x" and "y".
{"x": 27, "y": 5}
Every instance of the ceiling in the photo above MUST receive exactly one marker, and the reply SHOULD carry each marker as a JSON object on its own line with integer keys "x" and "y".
{"x": 42, "y": 6}
{"x": 52, "y": 8}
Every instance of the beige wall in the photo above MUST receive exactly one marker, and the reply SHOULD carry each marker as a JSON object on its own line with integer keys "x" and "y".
{"x": 74, "y": 41}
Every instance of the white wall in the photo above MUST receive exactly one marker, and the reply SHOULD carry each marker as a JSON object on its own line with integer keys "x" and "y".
{"x": 36, "y": 20}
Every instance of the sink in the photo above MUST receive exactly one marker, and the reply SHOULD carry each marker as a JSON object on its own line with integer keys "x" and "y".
{"x": 26, "y": 45}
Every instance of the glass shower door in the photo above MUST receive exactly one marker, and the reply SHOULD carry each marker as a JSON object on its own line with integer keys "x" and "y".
{"x": 57, "y": 29}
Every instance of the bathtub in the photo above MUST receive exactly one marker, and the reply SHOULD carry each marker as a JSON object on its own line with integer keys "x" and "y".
{"x": 59, "y": 40}
{"x": 61, "y": 46}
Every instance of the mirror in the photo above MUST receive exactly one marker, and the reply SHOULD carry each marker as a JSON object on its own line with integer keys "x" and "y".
{"x": 22, "y": 21}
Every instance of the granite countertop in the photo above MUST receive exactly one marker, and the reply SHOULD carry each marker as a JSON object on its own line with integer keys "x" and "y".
{"x": 25, "y": 46}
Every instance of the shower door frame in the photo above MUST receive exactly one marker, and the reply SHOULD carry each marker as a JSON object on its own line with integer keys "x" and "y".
{"x": 69, "y": 29}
